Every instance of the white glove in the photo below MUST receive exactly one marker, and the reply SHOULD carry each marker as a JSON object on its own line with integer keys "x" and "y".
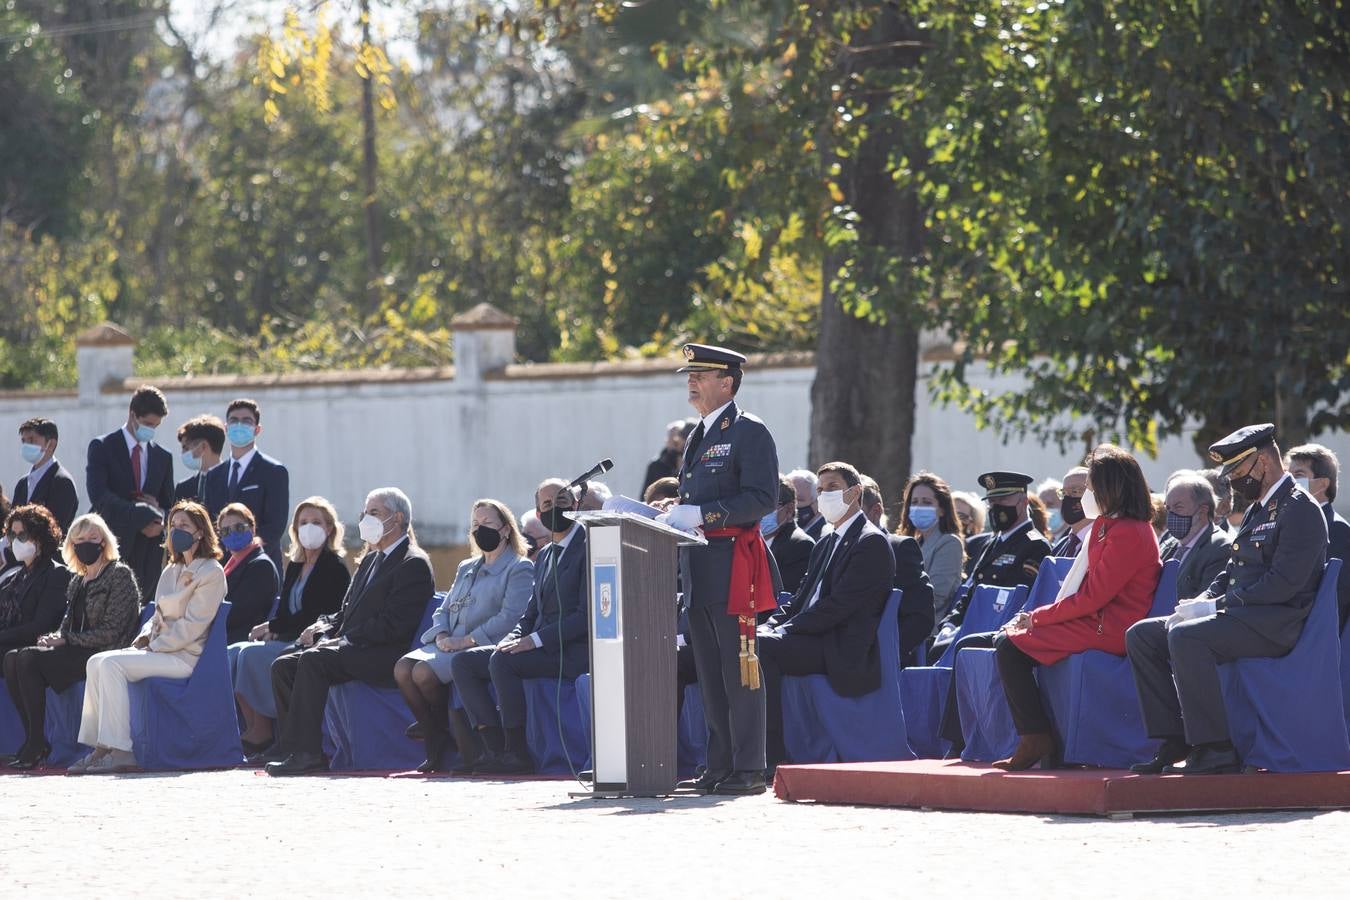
{"x": 684, "y": 517}
{"x": 1192, "y": 609}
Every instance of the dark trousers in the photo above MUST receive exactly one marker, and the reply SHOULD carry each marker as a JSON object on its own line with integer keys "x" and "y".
{"x": 1018, "y": 672}
{"x": 779, "y": 655}
{"x": 473, "y": 670}
{"x": 950, "y": 726}
{"x": 28, "y": 673}
{"x": 685, "y": 674}
{"x": 301, "y": 679}
{"x": 1176, "y": 673}
{"x": 734, "y": 713}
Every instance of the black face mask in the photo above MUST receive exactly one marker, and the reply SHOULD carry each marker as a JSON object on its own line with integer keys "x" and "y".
{"x": 555, "y": 520}
{"x": 1071, "y": 510}
{"x": 1003, "y": 517}
{"x": 487, "y": 538}
{"x": 88, "y": 552}
{"x": 804, "y": 515}
{"x": 1247, "y": 487}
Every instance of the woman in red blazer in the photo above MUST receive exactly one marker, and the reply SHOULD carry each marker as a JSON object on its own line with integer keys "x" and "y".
{"x": 1115, "y": 592}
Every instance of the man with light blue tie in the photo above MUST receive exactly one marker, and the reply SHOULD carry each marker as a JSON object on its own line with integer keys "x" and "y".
{"x": 251, "y": 477}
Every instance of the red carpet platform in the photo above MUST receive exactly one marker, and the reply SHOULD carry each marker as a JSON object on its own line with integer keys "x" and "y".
{"x": 954, "y": 785}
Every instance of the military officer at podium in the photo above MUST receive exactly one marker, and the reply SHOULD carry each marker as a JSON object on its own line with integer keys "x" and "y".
{"x": 728, "y": 482}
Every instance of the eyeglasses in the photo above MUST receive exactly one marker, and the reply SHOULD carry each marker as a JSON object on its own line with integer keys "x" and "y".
{"x": 18, "y": 536}
{"x": 241, "y": 528}
{"x": 1061, "y": 493}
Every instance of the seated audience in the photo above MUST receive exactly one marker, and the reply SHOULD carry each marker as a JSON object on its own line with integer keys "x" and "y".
{"x": 1049, "y": 491}
{"x": 1040, "y": 517}
{"x": 594, "y": 496}
{"x": 1315, "y": 469}
{"x": 103, "y": 607}
{"x": 377, "y": 622}
{"x": 830, "y": 625}
{"x": 32, "y": 593}
{"x": 549, "y": 641}
{"x": 928, "y": 514}
{"x": 1254, "y": 608}
{"x": 488, "y": 597}
{"x": 916, "y": 616}
{"x": 1192, "y": 536}
{"x": 1158, "y": 503}
{"x": 1076, "y": 521}
{"x": 316, "y": 581}
{"x": 188, "y": 595}
{"x": 1109, "y": 588}
{"x": 250, "y": 575}
{"x": 970, "y": 512}
{"x": 47, "y": 483}
{"x": 789, "y": 545}
{"x": 808, "y": 505}
{"x": 201, "y": 440}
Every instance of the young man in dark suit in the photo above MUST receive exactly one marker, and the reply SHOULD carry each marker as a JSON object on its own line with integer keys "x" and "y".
{"x": 251, "y": 477}
{"x": 378, "y": 620}
{"x": 789, "y": 545}
{"x": 830, "y": 625}
{"x": 1316, "y": 469}
{"x": 202, "y": 440}
{"x": 48, "y": 483}
{"x": 129, "y": 479}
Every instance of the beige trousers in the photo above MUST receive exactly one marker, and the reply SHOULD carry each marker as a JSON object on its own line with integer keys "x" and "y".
{"x": 106, "y": 720}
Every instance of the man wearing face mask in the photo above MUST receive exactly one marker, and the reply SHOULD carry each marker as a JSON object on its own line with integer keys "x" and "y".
{"x": 1192, "y": 536}
{"x": 1254, "y": 608}
{"x": 363, "y": 641}
{"x": 790, "y": 545}
{"x": 251, "y": 477}
{"x": 809, "y": 518}
{"x": 47, "y": 483}
{"x": 1011, "y": 558}
{"x": 129, "y": 480}
{"x": 1315, "y": 469}
{"x": 1077, "y": 522}
{"x": 728, "y": 483}
{"x": 201, "y": 440}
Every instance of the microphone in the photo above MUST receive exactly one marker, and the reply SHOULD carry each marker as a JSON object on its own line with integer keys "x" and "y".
{"x": 599, "y": 468}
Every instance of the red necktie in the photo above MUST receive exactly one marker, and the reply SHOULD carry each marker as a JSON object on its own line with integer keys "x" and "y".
{"x": 136, "y": 469}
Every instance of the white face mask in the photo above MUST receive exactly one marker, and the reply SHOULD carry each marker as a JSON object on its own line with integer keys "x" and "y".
{"x": 23, "y": 551}
{"x": 832, "y": 505}
{"x": 1090, "y": 508}
{"x": 1303, "y": 483}
{"x": 312, "y": 536}
{"x": 371, "y": 528}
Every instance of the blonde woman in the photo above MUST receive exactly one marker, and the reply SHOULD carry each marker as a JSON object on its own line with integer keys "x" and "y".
{"x": 103, "y": 604}
{"x": 490, "y": 592}
{"x": 189, "y": 594}
{"x": 315, "y": 583}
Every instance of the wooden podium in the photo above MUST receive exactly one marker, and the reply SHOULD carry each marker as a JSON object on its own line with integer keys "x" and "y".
{"x": 632, "y": 567}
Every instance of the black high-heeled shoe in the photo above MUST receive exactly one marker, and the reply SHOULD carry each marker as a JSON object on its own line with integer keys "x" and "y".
{"x": 32, "y": 760}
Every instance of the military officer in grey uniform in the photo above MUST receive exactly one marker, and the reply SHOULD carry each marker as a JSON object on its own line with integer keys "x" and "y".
{"x": 1255, "y": 607}
{"x": 729, "y": 479}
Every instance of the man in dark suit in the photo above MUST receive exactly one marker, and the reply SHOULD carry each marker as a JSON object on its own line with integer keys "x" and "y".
{"x": 916, "y": 598}
{"x": 1316, "y": 469}
{"x": 728, "y": 483}
{"x": 1078, "y": 524}
{"x": 378, "y": 620}
{"x": 202, "y": 440}
{"x": 129, "y": 480}
{"x": 788, "y": 543}
{"x": 1192, "y": 537}
{"x": 830, "y": 625}
{"x": 47, "y": 483}
{"x": 251, "y": 477}
{"x": 1012, "y": 557}
{"x": 1254, "y": 608}
{"x": 549, "y": 638}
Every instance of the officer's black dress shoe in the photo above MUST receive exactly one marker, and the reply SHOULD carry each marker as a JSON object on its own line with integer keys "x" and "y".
{"x": 1207, "y": 759}
{"x": 740, "y": 784}
{"x": 298, "y": 764}
{"x": 508, "y": 762}
{"x": 1172, "y": 750}
{"x": 272, "y": 754}
{"x": 704, "y": 783}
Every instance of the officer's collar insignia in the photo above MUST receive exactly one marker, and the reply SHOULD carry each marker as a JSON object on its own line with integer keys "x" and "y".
{"x": 726, "y": 422}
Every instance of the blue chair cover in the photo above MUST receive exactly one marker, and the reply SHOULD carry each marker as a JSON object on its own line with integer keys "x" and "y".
{"x": 1345, "y": 671}
{"x": 819, "y": 726}
{"x": 693, "y": 733}
{"x": 923, "y": 689}
{"x": 584, "y": 700}
{"x": 11, "y": 726}
{"x": 1287, "y": 714}
{"x": 549, "y": 707}
{"x": 188, "y": 723}
{"x": 63, "y": 725}
{"x": 986, "y": 721}
{"x": 364, "y": 724}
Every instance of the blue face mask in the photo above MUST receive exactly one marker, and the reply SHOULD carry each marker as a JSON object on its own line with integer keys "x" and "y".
{"x": 236, "y": 540}
{"x": 769, "y": 524}
{"x": 190, "y": 462}
{"x": 923, "y": 517}
{"x": 240, "y": 435}
{"x": 1056, "y": 520}
{"x": 31, "y": 453}
{"x": 144, "y": 433}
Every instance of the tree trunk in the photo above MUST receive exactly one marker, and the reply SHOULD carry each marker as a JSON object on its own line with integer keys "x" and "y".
{"x": 862, "y": 399}
{"x": 369, "y": 168}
